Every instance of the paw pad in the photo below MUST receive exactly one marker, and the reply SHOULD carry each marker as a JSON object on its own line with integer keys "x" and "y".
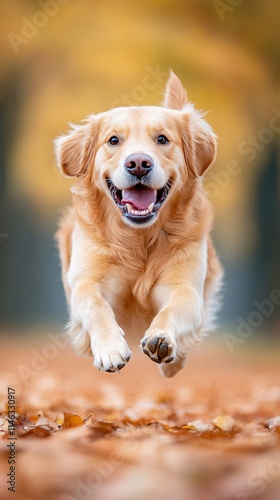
{"x": 157, "y": 349}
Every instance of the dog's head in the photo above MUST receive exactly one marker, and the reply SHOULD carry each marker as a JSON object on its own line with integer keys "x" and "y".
{"x": 142, "y": 156}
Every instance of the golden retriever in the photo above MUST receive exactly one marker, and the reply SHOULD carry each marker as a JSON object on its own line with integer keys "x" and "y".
{"x": 137, "y": 258}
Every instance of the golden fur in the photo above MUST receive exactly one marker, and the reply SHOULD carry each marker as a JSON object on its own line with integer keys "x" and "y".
{"x": 155, "y": 279}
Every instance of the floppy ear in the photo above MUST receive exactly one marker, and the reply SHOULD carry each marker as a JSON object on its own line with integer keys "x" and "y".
{"x": 175, "y": 94}
{"x": 75, "y": 150}
{"x": 199, "y": 142}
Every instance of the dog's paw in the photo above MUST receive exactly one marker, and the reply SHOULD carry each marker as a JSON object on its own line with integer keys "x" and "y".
{"x": 159, "y": 347}
{"x": 113, "y": 357}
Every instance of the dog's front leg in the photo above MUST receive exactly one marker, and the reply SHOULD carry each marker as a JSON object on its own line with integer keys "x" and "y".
{"x": 93, "y": 327}
{"x": 178, "y": 296}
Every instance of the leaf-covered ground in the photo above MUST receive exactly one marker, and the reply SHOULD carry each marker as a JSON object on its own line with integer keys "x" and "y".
{"x": 210, "y": 433}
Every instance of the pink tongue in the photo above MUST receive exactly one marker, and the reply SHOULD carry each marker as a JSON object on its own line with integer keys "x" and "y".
{"x": 139, "y": 198}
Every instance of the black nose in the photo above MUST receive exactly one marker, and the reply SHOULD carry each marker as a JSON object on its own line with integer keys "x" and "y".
{"x": 139, "y": 164}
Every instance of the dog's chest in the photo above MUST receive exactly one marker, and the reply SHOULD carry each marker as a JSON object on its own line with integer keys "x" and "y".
{"x": 129, "y": 289}
{"x": 130, "y": 296}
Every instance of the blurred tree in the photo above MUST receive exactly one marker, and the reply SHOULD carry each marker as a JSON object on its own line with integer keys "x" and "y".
{"x": 266, "y": 256}
{"x": 87, "y": 56}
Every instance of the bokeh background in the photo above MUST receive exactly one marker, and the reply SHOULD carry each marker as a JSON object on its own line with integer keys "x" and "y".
{"x": 63, "y": 59}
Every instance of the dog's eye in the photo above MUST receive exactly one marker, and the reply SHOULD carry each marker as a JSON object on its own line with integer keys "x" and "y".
{"x": 162, "y": 139}
{"x": 113, "y": 141}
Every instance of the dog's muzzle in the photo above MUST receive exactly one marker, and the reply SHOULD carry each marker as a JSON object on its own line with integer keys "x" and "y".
{"x": 139, "y": 203}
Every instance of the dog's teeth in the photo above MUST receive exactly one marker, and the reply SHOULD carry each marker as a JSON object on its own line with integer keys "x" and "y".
{"x": 137, "y": 212}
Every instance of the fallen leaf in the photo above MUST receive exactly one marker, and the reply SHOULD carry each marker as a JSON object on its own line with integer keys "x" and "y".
{"x": 88, "y": 420}
{"x": 72, "y": 420}
{"x": 40, "y": 432}
{"x": 199, "y": 425}
{"x": 273, "y": 423}
{"x": 224, "y": 422}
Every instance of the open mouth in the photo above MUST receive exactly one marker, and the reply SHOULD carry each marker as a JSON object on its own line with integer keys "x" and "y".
{"x": 139, "y": 203}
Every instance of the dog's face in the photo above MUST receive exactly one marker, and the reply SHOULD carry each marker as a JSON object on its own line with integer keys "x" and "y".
{"x": 140, "y": 157}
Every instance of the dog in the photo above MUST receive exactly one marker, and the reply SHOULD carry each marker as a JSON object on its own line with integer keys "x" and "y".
{"x": 135, "y": 247}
